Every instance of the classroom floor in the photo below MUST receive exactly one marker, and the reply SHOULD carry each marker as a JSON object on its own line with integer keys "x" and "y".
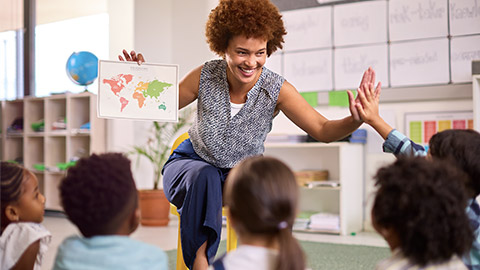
{"x": 166, "y": 237}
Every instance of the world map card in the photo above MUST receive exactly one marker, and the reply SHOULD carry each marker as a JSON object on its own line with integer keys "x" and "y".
{"x": 131, "y": 91}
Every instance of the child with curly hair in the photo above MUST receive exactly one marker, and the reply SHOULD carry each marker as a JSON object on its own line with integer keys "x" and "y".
{"x": 23, "y": 240}
{"x": 237, "y": 100}
{"x": 419, "y": 209}
{"x": 261, "y": 194}
{"x": 99, "y": 196}
{"x": 460, "y": 148}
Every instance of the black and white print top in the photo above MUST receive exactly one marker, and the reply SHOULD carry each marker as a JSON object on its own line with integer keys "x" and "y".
{"x": 224, "y": 141}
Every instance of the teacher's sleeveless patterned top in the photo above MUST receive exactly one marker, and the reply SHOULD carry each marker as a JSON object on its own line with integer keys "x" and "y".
{"x": 220, "y": 140}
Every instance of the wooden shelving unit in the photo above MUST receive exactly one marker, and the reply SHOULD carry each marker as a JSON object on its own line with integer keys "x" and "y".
{"x": 52, "y": 145}
{"x": 344, "y": 161}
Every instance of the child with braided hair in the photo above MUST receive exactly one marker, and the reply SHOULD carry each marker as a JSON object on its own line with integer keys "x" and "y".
{"x": 23, "y": 240}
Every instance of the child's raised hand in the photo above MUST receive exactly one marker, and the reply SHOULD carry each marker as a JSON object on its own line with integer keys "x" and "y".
{"x": 132, "y": 56}
{"x": 369, "y": 98}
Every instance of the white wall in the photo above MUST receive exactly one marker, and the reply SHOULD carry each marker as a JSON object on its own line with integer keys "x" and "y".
{"x": 166, "y": 31}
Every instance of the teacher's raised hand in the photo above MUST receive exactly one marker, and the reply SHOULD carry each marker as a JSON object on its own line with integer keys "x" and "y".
{"x": 132, "y": 56}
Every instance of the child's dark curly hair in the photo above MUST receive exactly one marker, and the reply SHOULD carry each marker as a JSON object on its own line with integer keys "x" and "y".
{"x": 462, "y": 149}
{"x": 252, "y": 18}
{"x": 99, "y": 193}
{"x": 423, "y": 202}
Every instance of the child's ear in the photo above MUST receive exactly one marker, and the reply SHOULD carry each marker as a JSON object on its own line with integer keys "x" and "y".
{"x": 135, "y": 220}
{"x": 231, "y": 220}
{"x": 12, "y": 213}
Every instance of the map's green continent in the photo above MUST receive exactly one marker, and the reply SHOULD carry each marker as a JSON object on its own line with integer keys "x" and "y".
{"x": 155, "y": 88}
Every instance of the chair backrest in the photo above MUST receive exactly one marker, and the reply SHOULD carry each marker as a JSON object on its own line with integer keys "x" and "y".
{"x": 179, "y": 140}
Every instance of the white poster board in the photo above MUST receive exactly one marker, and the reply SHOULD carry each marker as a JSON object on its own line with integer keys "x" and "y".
{"x": 308, "y": 28}
{"x": 132, "y": 91}
{"x": 309, "y": 71}
{"x": 416, "y": 19}
{"x": 419, "y": 62}
{"x": 360, "y": 23}
{"x": 464, "y": 17}
{"x": 463, "y": 51}
{"x": 274, "y": 63}
{"x": 350, "y": 63}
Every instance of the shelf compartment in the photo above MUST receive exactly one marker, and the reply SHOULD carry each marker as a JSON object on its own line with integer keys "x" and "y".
{"x": 12, "y": 110}
{"x": 51, "y": 183}
{"x": 13, "y": 148}
{"x": 34, "y": 112}
{"x": 80, "y": 108}
{"x": 307, "y": 156}
{"x": 35, "y": 152}
{"x": 79, "y": 147}
{"x": 56, "y": 146}
{"x": 56, "y": 110}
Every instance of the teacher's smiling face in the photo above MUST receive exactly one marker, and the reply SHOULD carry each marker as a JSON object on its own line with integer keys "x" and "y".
{"x": 245, "y": 58}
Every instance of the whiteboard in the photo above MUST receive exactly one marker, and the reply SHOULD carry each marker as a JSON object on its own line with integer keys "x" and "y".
{"x": 415, "y": 19}
{"x": 309, "y": 71}
{"x": 308, "y": 28}
{"x": 419, "y": 62}
{"x": 464, "y": 17}
{"x": 350, "y": 63}
{"x": 360, "y": 23}
{"x": 274, "y": 63}
{"x": 463, "y": 51}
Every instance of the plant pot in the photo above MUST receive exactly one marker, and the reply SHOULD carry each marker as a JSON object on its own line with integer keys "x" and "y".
{"x": 154, "y": 207}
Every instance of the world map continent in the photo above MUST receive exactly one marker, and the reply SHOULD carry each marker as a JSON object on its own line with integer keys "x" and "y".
{"x": 141, "y": 92}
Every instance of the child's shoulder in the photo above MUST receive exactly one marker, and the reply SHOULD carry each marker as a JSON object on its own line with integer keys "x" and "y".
{"x": 18, "y": 236}
{"x": 125, "y": 251}
{"x": 25, "y": 231}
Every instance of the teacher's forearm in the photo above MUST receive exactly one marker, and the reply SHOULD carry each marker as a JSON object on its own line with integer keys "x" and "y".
{"x": 334, "y": 130}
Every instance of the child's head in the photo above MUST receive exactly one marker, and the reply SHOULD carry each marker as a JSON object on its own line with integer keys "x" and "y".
{"x": 249, "y": 18}
{"x": 20, "y": 195}
{"x": 420, "y": 208}
{"x": 462, "y": 149}
{"x": 99, "y": 195}
{"x": 261, "y": 194}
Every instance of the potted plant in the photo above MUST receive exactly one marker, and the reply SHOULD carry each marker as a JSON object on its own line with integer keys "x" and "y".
{"x": 154, "y": 206}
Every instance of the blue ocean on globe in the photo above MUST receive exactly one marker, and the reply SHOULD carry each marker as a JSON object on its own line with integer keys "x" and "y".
{"x": 82, "y": 67}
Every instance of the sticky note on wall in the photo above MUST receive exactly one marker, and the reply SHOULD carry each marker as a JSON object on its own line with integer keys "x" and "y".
{"x": 311, "y": 98}
{"x": 339, "y": 98}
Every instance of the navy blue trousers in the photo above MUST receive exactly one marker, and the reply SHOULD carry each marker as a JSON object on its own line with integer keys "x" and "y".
{"x": 195, "y": 187}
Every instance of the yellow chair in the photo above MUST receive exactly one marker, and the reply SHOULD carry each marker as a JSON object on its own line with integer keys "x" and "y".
{"x": 231, "y": 236}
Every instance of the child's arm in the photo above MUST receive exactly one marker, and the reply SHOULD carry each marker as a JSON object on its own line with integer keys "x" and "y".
{"x": 395, "y": 142}
{"x": 368, "y": 109}
{"x": 27, "y": 260}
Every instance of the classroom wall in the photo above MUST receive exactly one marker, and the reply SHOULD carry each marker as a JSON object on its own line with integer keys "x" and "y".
{"x": 394, "y": 113}
{"x": 165, "y": 31}
{"x": 172, "y": 31}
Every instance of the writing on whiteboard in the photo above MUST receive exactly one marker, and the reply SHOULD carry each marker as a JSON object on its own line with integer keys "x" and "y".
{"x": 358, "y": 64}
{"x": 418, "y": 59}
{"x": 423, "y": 11}
{"x": 303, "y": 25}
{"x": 356, "y": 22}
{"x": 458, "y": 13}
{"x": 305, "y": 69}
{"x": 466, "y": 56}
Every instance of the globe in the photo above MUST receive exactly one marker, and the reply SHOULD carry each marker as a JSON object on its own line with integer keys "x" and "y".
{"x": 82, "y": 68}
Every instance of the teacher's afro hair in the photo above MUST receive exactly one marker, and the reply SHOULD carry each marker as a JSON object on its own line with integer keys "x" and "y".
{"x": 251, "y": 18}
